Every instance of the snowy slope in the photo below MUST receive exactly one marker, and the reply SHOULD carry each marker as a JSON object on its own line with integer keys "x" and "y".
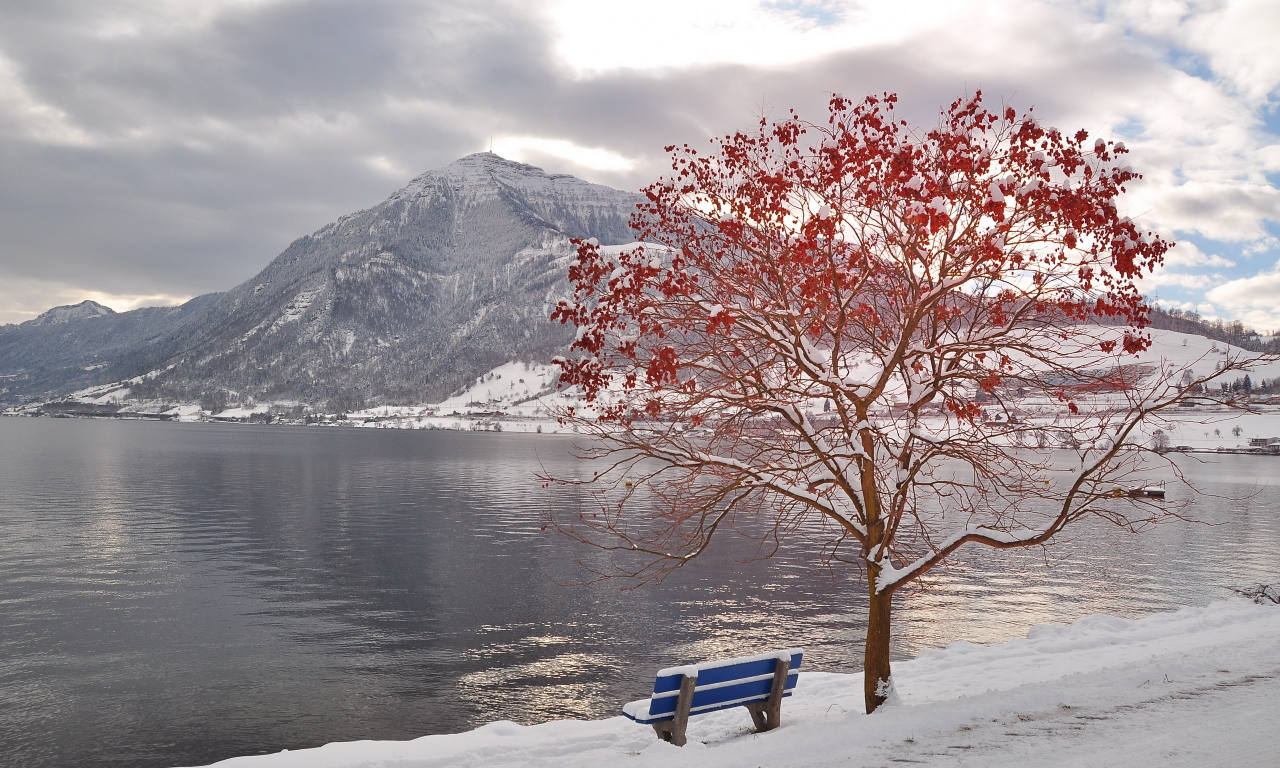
{"x": 514, "y": 397}
{"x": 1202, "y": 428}
{"x": 1196, "y": 687}
{"x": 1184, "y": 350}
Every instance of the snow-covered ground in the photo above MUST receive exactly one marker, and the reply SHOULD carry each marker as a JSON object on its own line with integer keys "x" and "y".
{"x": 1196, "y": 687}
{"x": 514, "y": 397}
{"x": 1171, "y": 349}
{"x": 1206, "y": 428}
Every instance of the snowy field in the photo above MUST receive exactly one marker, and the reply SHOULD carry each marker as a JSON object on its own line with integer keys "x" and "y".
{"x": 1196, "y": 687}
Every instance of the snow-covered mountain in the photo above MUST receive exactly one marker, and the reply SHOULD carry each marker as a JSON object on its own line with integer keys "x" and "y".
{"x": 407, "y": 301}
{"x": 85, "y": 310}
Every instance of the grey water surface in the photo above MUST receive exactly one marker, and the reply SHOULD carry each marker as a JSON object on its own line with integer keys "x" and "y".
{"x": 176, "y": 594}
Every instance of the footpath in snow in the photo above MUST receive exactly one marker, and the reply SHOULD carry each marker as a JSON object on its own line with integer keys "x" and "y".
{"x": 1196, "y": 687}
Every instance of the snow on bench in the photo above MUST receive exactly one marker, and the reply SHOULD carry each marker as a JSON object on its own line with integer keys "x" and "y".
{"x": 756, "y": 682}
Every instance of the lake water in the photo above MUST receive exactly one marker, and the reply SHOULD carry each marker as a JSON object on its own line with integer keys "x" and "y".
{"x": 175, "y": 594}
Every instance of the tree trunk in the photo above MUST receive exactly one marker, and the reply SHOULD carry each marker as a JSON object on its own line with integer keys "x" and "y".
{"x": 876, "y": 673}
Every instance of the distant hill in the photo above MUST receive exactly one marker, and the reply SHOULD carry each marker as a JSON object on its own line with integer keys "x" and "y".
{"x": 406, "y": 301}
{"x": 42, "y": 361}
{"x": 1235, "y": 333}
{"x": 85, "y": 310}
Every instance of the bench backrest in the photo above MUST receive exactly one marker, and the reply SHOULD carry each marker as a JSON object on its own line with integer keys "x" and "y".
{"x": 724, "y": 684}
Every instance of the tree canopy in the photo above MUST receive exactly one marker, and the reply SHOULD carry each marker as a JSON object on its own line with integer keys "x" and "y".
{"x": 840, "y": 327}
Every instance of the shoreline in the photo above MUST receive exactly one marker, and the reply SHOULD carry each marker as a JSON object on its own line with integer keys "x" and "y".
{"x": 519, "y": 426}
{"x": 425, "y": 417}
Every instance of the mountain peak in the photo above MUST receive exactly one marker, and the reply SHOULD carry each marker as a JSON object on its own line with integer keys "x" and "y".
{"x": 489, "y": 162}
{"x": 67, "y": 313}
{"x": 485, "y": 173}
{"x": 406, "y": 301}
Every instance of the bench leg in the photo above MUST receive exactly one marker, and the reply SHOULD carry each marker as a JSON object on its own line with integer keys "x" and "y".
{"x": 767, "y": 715}
{"x": 673, "y": 730}
{"x": 668, "y": 734}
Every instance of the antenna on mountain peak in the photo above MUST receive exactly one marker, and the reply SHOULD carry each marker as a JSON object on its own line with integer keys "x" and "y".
{"x": 491, "y": 145}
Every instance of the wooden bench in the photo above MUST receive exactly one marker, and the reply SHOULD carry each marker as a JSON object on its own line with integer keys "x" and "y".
{"x": 757, "y": 682}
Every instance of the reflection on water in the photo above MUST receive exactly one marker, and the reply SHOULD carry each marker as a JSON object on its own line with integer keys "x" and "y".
{"x": 177, "y": 594}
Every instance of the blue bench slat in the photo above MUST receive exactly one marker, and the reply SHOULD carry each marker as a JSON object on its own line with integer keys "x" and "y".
{"x": 750, "y": 691}
{"x": 738, "y": 671}
{"x": 753, "y": 690}
{"x": 656, "y": 718}
{"x": 669, "y": 683}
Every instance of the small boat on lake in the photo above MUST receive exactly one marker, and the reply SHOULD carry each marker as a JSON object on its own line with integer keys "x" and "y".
{"x": 1147, "y": 492}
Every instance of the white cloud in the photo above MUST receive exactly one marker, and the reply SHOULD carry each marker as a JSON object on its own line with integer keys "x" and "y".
{"x": 1232, "y": 212}
{"x": 385, "y": 166}
{"x": 1161, "y": 278}
{"x": 524, "y": 148}
{"x": 1204, "y": 309}
{"x": 141, "y": 133}
{"x": 32, "y": 118}
{"x": 164, "y": 17}
{"x": 23, "y": 298}
{"x": 1238, "y": 37}
{"x": 123, "y": 302}
{"x": 1201, "y": 145}
{"x": 1262, "y": 246}
{"x": 1187, "y": 254}
{"x": 1254, "y": 300}
{"x": 598, "y": 36}
{"x": 1185, "y": 306}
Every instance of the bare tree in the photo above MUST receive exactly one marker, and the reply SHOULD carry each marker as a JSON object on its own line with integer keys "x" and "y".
{"x": 933, "y": 286}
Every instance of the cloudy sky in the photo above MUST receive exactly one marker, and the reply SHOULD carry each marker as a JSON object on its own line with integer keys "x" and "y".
{"x": 154, "y": 150}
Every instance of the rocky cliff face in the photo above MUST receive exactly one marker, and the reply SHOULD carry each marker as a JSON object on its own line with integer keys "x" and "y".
{"x": 404, "y": 302}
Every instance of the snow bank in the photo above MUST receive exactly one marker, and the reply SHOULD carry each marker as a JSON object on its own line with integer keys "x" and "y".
{"x": 1194, "y": 687}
